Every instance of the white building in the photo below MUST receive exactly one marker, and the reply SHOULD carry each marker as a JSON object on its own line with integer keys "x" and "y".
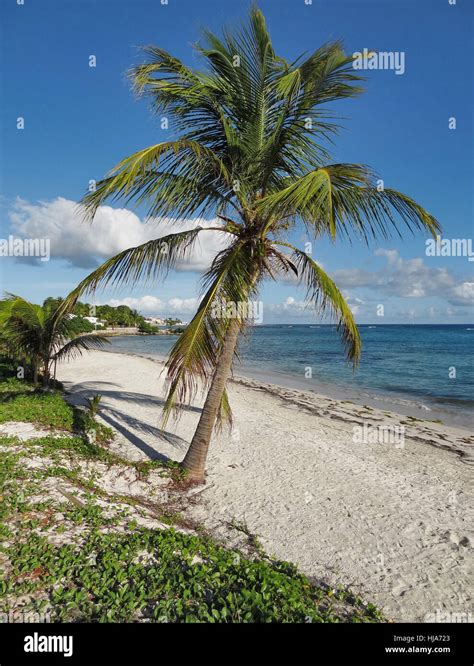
{"x": 94, "y": 320}
{"x": 156, "y": 321}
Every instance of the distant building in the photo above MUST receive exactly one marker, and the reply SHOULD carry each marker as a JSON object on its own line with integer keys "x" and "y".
{"x": 94, "y": 320}
{"x": 155, "y": 321}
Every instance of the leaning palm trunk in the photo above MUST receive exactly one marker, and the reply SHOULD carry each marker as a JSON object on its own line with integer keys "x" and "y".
{"x": 195, "y": 459}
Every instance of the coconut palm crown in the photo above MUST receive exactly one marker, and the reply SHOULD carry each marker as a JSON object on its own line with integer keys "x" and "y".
{"x": 248, "y": 147}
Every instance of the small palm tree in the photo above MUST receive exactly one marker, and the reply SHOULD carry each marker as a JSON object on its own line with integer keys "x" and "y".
{"x": 250, "y": 152}
{"x": 93, "y": 404}
{"x": 41, "y": 334}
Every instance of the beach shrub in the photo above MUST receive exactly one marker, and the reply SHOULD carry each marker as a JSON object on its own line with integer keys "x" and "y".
{"x": 10, "y": 385}
{"x": 157, "y": 575}
{"x": 148, "y": 329}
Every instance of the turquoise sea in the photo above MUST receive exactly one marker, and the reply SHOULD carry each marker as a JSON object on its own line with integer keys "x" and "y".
{"x": 423, "y": 370}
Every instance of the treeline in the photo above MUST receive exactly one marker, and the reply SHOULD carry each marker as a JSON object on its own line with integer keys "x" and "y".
{"x": 113, "y": 317}
{"x": 33, "y": 338}
{"x": 121, "y": 315}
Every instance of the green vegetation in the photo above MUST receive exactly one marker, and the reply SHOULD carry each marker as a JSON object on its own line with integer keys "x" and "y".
{"x": 85, "y": 558}
{"x": 149, "y": 329}
{"x": 121, "y": 315}
{"x": 186, "y": 579}
{"x": 93, "y": 404}
{"x": 43, "y": 409}
{"x": 20, "y": 401}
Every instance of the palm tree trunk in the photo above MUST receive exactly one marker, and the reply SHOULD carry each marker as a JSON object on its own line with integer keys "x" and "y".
{"x": 195, "y": 459}
{"x": 46, "y": 374}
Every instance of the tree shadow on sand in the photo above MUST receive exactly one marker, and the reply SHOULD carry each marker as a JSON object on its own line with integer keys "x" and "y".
{"x": 119, "y": 420}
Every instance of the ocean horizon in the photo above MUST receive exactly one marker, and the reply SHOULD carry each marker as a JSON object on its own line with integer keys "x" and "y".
{"x": 422, "y": 370}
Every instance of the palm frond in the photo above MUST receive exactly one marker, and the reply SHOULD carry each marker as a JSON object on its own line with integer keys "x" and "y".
{"x": 150, "y": 261}
{"x": 173, "y": 178}
{"x": 340, "y": 198}
{"x": 224, "y": 415}
{"x": 78, "y": 345}
{"x": 323, "y": 294}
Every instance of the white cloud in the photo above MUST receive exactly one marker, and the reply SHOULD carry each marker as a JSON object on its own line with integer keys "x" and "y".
{"x": 293, "y": 308}
{"x": 289, "y": 306}
{"x": 462, "y": 294}
{"x": 408, "y": 278}
{"x": 183, "y": 304}
{"x": 87, "y": 244}
{"x": 355, "y": 304}
{"x": 151, "y": 305}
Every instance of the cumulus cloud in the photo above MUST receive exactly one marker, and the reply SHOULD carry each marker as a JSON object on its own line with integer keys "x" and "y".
{"x": 354, "y": 303}
{"x": 114, "y": 229}
{"x": 152, "y": 305}
{"x": 290, "y": 306}
{"x": 408, "y": 278}
{"x": 356, "y": 277}
{"x": 462, "y": 294}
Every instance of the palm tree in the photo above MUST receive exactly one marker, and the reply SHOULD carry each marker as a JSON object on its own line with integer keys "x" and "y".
{"x": 43, "y": 335}
{"x": 250, "y": 152}
{"x": 136, "y": 317}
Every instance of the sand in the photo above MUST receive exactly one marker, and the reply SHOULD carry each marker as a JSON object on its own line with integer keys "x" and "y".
{"x": 393, "y": 521}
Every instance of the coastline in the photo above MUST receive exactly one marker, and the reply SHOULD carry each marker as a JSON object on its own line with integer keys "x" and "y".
{"x": 404, "y": 405}
{"x": 392, "y": 522}
{"x": 425, "y": 431}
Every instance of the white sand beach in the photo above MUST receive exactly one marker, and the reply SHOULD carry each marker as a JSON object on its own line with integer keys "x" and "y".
{"x": 394, "y": 523}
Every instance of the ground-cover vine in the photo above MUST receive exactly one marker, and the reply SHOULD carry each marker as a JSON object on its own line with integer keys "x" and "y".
{"x": 72, "y": 551}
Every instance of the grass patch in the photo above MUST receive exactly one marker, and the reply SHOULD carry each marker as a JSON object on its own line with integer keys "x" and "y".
{"x": 170, "y": 469}
{"x": 20, "y": 401}
{"x": 13, "y": 386}
{"x": 48, "y": 410}
{"x": 75, "y": 446}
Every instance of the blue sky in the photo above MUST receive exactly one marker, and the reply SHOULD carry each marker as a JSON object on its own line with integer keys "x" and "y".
{"x": 80, "y": 121}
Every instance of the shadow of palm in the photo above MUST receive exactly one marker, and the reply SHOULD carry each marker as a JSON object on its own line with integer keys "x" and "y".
{"x": 122, "y": 421}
